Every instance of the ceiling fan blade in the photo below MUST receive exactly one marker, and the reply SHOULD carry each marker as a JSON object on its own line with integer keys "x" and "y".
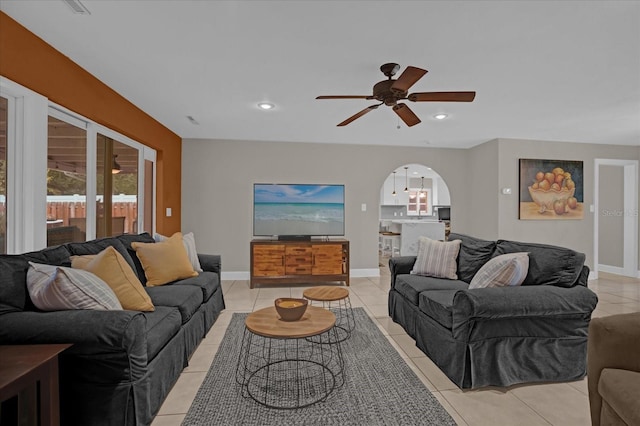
{"x": 344, "y": 97}
{"x": 405, "y": 113}
{"x": 358, "y": 115}
{"x": 442, "y": 97}
{"x": 408, "y": 78}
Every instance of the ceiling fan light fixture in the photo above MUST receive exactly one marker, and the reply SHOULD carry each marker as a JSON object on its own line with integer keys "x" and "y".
{"x": 441, "y": 116}
{"x": 266, "y": 106}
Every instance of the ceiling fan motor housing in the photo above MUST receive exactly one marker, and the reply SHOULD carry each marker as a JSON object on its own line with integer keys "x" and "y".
{"x": 382, "y": 91}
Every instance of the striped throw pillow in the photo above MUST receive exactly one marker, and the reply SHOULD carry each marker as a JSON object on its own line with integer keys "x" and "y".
{"x": 437, "y": 258}
{"x": 506, "y": 270}
{"x": 57, "y": 288}
{"x": 189, "y": 241}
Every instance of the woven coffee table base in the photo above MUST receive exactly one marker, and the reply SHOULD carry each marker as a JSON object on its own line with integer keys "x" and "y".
{"x": 335, "y": 299}
{"x": 289, "y": 373}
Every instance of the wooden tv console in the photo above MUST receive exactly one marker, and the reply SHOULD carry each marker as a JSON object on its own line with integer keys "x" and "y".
{"x": 289, "y": 262}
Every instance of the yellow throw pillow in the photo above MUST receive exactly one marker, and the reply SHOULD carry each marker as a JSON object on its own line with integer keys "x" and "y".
{"x": 165, "y": 261}
{"x": 110, "y": 266}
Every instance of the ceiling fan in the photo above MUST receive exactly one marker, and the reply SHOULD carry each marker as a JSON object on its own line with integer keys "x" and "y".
{"x": 390, "y": 91}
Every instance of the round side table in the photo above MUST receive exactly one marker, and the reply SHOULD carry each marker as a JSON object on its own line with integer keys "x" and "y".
{"x": 337, "y": 300}
{"x": 280, "y": 367}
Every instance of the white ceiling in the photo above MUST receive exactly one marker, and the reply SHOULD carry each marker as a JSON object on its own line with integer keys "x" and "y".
{"x": 561, "y": 70}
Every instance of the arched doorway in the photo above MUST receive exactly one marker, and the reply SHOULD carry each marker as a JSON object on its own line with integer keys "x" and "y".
{"x": 414, "y": 197}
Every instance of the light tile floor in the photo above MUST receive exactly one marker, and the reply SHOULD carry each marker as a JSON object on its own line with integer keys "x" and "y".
{"x": 537, "y": 404}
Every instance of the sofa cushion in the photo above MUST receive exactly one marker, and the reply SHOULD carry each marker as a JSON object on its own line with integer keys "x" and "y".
{"x": 184, "y": 297}
{"x": 58, "y": 288}
{"x": 506, "y": 270}
{"x": 164, "y": 262}
{"x": 118, "y": 274}
{"x": 548, "y": 265}
{"x": 13, "y": 279}
{"x": 126, "y": 240}
{"x": 58, "y": 255}
{"x": 437, "y": 258}
{"x": 621, "y": 391}
{"x": 96, "y": 246}
{"x": 437, "y": 304}
{"x": 410, "y": 286}
{"x": 162, "y": 325}
{"x": 474, "y": 253}
{"x": 208, "y": 282}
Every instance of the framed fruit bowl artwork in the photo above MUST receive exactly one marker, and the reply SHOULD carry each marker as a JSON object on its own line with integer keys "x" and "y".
{"x": 551, "y": 190}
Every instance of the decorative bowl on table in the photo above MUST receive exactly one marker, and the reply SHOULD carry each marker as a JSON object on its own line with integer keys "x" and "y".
{"x": 291, "y": 309}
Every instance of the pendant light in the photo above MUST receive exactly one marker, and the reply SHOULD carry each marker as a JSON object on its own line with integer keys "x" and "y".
{"x": 394, "y": 184}
{"x": 422, "y": 193}
{"x": 406, "y": 179}
{"x": 115, "y": 167}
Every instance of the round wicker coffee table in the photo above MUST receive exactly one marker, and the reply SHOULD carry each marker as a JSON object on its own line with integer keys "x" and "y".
{"x": 281, "y": 367}
{"x": 337, "y": 300}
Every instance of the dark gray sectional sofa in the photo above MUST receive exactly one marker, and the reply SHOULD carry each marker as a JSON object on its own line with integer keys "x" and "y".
{"x": 499, "y": 336}
{"x": 123, "y": 363}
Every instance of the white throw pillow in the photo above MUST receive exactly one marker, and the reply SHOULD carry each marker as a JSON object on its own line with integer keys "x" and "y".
{"x": 56, "y": 288}
{"x": 437, "y": 258}
{"x": 506, "y": 270}
{"x": 189, "y": 241}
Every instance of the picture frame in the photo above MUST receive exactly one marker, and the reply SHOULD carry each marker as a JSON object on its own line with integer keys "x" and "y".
{"x": 551, "y": 189}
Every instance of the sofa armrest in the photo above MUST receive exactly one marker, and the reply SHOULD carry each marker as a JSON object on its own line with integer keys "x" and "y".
{"x": 210, "y": 262}
{"x": 115, "y": 340}
{"x": 400, "y": 265}
{"x": 526, "y": 301}
{"x": 614, "y": 342}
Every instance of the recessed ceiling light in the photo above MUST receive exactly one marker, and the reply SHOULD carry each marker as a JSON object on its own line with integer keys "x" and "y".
{"x": 77, "y": 7}
{"x": 266, "y": 105}
{"x": 440, "y": 116}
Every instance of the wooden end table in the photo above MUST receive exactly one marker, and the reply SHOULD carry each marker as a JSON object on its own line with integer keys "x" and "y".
{"x": 22, "y": 367}
{"x": 282, "y": 364}
{"x": 337, "y": 300}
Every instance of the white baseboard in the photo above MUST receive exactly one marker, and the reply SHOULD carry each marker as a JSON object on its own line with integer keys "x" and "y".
{"x": 365, "y": 273}
{"x": 354, "y": 273}
{"x": 611, "y": 269}
{"x": 235, "y": 275}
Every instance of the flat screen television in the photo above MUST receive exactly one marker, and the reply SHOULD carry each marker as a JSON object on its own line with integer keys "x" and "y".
{"x": 291, "y": 211}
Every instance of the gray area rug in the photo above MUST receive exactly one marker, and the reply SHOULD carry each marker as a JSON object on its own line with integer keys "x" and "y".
{"x": 379, "y": 388}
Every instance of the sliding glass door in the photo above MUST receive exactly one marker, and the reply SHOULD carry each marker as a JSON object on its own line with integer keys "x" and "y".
{"x": 66, "y": 180}
{"x": 116, "y": 187}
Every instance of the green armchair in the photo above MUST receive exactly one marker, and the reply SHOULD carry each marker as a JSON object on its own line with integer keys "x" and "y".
{"x": 613, "y": 370}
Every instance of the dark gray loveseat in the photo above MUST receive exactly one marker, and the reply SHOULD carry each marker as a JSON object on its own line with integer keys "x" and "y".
{"x": 122, "y": 364}
{"x": 499, "y": 336}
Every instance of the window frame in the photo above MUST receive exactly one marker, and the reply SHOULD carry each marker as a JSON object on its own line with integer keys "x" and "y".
{"x": 27, "y": 143}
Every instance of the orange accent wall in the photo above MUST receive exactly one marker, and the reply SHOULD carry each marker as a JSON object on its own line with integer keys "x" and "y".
{"x": 30, "y": 61}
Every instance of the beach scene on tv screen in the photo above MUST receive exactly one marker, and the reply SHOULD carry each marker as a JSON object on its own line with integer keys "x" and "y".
{"x": 298, "y": 209}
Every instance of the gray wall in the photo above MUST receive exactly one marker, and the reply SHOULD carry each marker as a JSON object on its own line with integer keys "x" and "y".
{"x": 576, "y": 234}
{"x": 610, "y": 224}
{"x": 218, "y": 177}
{"x": 481, "y": 197}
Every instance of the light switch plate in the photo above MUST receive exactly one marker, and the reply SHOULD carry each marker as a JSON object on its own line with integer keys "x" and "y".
{"x": 506, "y": 191}
{"x": 168, "y": 212}
{"x": 364, "y": 207}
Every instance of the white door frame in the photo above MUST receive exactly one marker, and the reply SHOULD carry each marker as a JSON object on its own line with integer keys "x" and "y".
{"x": 630, "y": 214}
